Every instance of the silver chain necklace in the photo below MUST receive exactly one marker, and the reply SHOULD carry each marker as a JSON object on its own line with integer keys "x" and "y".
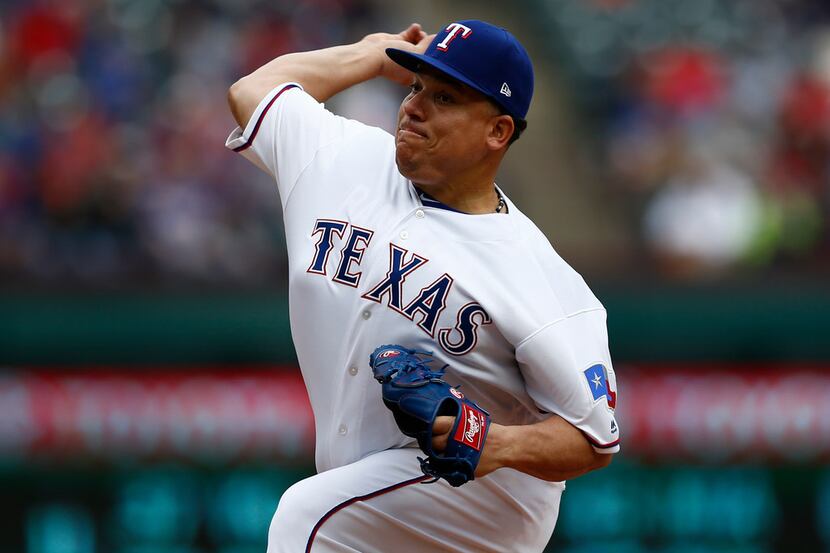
{"x": 501, "y": 202}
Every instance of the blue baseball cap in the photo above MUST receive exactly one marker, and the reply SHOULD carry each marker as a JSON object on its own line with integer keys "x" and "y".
{"x": 484, "y": 57}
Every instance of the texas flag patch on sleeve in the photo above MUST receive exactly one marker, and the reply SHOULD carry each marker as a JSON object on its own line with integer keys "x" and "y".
{"x": 600, "y": 385}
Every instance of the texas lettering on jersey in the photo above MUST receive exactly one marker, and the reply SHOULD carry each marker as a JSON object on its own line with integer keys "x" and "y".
{"x": 427, "y": 304}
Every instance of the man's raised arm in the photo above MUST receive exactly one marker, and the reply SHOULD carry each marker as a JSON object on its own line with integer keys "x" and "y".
{"x": 324, "y": 73}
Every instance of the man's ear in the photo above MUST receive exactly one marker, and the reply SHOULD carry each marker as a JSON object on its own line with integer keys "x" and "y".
{"x": 500, "y": 131}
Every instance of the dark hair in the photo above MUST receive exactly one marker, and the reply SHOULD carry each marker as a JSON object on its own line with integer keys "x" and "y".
{"x": 519, "y": 125}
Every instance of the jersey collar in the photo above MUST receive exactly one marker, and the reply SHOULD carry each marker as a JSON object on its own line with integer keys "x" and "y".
{"x": 429, "y": 201}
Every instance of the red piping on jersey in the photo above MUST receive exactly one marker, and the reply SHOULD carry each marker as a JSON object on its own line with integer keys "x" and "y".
{"x": 601, "y": 445}
{"x": 353, "y": 500}
{"x": 261, "y": 117}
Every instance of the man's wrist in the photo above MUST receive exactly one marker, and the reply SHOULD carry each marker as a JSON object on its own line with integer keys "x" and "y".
{"x": 500, "y": 441}
{"x": 372, "y": 53}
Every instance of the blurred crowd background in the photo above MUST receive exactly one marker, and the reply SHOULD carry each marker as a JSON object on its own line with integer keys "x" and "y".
{"x": 112, "y": 123}
{"x": 678, "y": 154}
{"x": 704, "y": 134}
{"x": 710, "y": 125}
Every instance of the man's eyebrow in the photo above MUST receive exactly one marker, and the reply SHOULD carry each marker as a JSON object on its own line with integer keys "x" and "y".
{"x": 450, "y": 82}
{"x": 455, "y": 85}
{"x": 446, "y": 80}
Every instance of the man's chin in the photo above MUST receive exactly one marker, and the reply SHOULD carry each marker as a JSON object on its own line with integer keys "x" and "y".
{"x": 406, "y": 166}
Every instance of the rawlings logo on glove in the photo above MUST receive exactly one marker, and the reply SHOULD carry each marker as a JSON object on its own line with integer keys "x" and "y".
{"x": 471, "y": 433}
{"x": 416, "y": 395}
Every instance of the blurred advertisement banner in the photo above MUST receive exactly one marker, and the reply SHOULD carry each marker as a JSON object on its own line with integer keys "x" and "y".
{"x": 210, "y": 416}
{"x": 716, "y": 414}
{"x": 726, "y": 413}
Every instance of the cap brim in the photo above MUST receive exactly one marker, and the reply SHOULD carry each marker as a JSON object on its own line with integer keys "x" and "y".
{"x": 416, "y": 63}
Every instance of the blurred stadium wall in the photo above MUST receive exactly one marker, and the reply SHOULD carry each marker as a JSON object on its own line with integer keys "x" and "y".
{"x": 678, "y": 155}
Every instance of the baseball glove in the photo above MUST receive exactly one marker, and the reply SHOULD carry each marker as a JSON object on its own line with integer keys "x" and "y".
{"x": 416, "y": 395}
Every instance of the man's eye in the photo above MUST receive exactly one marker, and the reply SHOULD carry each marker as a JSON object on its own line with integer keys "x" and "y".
{"x": 443, "y": 98}
{"x": 414, "y": 87}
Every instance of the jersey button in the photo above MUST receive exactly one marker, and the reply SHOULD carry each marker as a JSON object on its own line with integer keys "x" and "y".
{"x": 342, "y": 430}
{"x": 419, "y": 214}
{"x": 404, "y": 235}
{"x": 352, "y": 371}
{"x": 366, "y": 314}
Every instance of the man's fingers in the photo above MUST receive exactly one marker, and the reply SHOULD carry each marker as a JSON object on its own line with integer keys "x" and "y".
{"x": 413, "y": 33}
{"x": 442, "y": 425}
{"x": 424, "y": 43}
{"x": 441, "y": 432}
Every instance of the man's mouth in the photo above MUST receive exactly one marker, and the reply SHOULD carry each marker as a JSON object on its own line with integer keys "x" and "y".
{"x": 408, "y": 130}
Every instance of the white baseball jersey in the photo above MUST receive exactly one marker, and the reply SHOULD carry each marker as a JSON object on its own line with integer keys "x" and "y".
{"x": 371, "y": 263}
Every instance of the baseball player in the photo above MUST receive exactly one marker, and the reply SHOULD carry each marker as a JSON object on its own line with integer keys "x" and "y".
{"x": 406, "y": 239}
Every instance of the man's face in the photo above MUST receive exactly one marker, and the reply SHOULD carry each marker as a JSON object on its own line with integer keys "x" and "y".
{"x": 442, "y": 129}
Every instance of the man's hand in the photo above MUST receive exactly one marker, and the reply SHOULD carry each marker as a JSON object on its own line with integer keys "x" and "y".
{"x": 488, "y": 461}
{"x": 412, "y": 39}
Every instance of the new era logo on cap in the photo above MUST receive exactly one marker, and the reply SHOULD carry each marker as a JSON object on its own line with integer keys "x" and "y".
{"x": 482, "y": 56}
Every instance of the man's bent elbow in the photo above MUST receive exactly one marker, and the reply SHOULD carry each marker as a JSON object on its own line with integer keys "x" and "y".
{"x": 601, "y": 460}
{"x": 239, "y": 103}
{"x": 597, "y": 461}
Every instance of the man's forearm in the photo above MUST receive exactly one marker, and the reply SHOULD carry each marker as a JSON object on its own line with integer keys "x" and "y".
{"x": 552, "y": 450}
{"x": 324, "y": 73}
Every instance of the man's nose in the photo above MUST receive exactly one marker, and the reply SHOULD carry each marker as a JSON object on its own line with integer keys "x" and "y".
{"x": 413, "y": 106}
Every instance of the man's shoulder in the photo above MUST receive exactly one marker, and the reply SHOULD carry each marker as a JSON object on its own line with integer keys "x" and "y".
{"x": 532, "y": 240}
{"x": 301, "y": 118}
{"x": 299, "y": 101}
{"x": 548, "y": 270}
